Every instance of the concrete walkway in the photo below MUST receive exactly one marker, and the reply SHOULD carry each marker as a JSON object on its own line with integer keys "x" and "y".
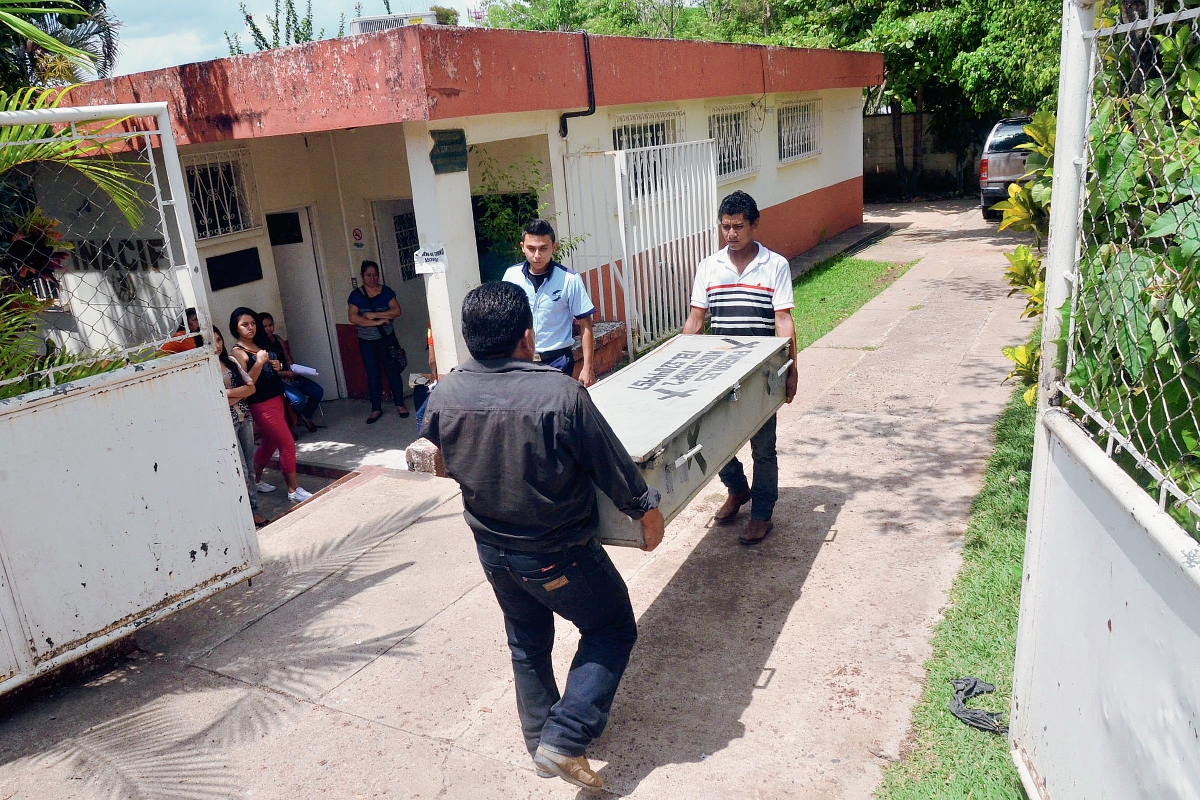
{"x": 369, "y": 659}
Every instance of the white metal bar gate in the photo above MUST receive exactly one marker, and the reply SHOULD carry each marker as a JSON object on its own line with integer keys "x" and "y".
{"x": 642, "y": 220}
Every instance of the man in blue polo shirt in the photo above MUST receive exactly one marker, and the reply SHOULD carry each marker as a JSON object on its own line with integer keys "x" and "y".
{"x": 558, "y": 299}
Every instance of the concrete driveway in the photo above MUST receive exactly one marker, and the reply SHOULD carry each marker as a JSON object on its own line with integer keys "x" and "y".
{"x": 369, "y": 659}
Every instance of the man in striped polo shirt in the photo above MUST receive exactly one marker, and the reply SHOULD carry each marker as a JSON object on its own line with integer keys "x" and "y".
{"x": 747, "y": 290}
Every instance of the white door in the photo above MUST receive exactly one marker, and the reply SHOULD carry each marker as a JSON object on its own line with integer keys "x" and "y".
{"x": 305, "y": 311}
{"x": 396, "y": 232}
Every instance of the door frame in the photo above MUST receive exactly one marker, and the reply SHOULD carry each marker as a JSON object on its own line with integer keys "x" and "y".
{"x": 339, "y": 374}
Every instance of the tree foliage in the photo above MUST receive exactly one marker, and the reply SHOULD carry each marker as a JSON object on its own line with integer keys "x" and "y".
{"x": 54, "y": 42}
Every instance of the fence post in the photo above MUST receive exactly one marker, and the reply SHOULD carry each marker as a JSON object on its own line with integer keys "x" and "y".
{"x": 1074, "y": 99}
{"x": 181, "y": 210}
{"x": 1074, "y": 93}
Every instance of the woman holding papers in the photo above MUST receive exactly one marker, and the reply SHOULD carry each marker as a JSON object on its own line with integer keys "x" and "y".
{"x": 303, "y": 393}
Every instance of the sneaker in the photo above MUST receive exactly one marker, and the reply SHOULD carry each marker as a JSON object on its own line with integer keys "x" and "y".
{"x": 300, "y": 495}
{"x": 264, "y": 487}
{"x": 573, "y": 769}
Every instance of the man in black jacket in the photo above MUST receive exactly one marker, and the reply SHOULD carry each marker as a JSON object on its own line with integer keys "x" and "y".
{"x": 528, "y": 448}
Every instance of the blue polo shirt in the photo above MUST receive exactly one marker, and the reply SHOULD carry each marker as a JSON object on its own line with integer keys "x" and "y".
{"x": 556, "y": 303}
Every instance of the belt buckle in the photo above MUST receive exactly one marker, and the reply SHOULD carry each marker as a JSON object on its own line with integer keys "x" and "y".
{"x": 537, "y": 357}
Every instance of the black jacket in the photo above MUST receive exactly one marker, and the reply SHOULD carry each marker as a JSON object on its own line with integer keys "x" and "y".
{"x": 526, "y": 443}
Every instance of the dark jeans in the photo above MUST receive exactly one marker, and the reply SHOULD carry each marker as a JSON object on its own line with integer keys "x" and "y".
{"x": 562, "y": 360}
{"x": 304, "y": 394}
{"x": 378, "y": 362}
{"x": 421, "y": 402}
{"x": 765, "y": 490}
{"x": 582, "y": 585}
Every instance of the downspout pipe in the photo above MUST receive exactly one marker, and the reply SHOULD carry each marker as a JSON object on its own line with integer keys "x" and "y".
{"x": 591, "y": 86}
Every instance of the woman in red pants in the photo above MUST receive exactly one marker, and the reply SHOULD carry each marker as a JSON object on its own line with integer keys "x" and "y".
{"x": 266, "y": 404}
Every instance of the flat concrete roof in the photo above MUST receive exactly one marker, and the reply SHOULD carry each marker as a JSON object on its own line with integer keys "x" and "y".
{"x": 433, "y": 72}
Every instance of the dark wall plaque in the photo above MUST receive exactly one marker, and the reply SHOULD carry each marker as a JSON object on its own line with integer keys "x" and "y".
{"x": 449, "y": 153}
{"x": 234, "y": 269}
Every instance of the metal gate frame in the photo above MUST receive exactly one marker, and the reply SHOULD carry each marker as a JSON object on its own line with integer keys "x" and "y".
{"x": 643, "y": 219}
{"x": 191, "y": 375}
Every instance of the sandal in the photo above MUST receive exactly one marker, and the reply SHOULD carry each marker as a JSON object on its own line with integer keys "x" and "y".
{"x": 375, "y": 417}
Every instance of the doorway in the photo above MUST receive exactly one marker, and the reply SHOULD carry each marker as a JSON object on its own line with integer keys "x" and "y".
{"x": 305, "y": 310}
{"x": 396, "y": 232}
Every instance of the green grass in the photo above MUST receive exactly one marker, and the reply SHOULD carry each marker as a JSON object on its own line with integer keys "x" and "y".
{"x": 834, "y": 289}
{"x": 945, "y": 759}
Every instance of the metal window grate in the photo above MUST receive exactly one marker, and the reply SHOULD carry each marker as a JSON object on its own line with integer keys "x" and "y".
{"x": 648, "y": 129}
{"x": 221, "y": 187}
{"x": 737, "y": 142}
{"x": 405, "y": 227}
{"x": 799, "y": 129}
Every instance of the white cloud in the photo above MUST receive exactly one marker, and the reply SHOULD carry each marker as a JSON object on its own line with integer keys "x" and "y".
{"x": 141, "y": 53}
{"x": 163, "y": 33}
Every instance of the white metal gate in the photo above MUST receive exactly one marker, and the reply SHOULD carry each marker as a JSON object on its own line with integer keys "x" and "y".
{"x": 123, "y": 488}
{"x": 643, "y": 219}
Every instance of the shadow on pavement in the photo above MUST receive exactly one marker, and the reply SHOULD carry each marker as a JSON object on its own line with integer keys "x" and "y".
{"x": 704, "y": 644}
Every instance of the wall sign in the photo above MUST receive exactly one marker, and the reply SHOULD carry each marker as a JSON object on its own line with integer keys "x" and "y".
{"x": 449, "y": 153}
{"x": 430, "y": 259}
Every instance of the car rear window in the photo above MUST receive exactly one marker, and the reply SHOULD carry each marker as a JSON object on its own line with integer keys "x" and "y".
{"x": 1007, "y": 137}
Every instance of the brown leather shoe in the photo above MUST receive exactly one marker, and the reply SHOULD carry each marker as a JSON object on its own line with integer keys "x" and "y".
{"x": 756, "y": 531}
{"x": 575, "y": 770}
{"x": 733, "y": 504}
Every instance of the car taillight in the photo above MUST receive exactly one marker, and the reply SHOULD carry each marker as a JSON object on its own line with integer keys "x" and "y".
{"x": 982, "y": 170}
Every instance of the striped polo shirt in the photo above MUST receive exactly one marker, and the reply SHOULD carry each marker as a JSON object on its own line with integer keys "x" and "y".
{"x": 743, "y": 304}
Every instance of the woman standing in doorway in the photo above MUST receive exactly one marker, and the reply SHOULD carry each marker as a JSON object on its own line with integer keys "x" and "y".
{"x": 266, "y": 404}
{"x": 373, "y": 307}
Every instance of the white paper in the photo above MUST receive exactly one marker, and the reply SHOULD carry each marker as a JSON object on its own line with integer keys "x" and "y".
{"x": 300, "y": 369}
{"x": 430, "y": 259}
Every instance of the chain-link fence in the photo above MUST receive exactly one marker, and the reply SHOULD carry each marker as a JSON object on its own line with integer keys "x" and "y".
{"x": 90, "y": 254}
{"x": 1133, "y": 330}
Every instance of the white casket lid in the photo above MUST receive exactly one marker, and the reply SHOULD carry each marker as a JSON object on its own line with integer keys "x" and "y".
{"x": 648, "y": 402}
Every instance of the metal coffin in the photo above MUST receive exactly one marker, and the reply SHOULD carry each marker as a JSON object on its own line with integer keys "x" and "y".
{"x": 684, "y": 410}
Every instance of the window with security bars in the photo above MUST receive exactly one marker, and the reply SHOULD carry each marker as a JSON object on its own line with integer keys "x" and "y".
{"x": 737, "y": 144}
{"x": 631, "y": 131}
{"x": 220, "y": 186}
{"x": 799, "y": 129}
{"x": 637, "y": 131}
{"x": 405, "y": 227}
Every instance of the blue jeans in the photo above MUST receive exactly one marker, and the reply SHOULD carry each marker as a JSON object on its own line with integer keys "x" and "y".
{"x": 246, "y": 446}
{"x": 582, "y": 585}
{"x": 765, "y": 490}
{"x": 304, "y": 394}
{"x": 378, "y": 362}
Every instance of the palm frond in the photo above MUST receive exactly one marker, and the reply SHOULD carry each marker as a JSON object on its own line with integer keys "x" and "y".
{"x": 15, "y": 14}
{"x": 92, "y": 158}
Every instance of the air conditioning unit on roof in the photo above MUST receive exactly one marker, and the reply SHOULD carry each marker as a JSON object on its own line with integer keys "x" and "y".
{"x": 374, "y": 24}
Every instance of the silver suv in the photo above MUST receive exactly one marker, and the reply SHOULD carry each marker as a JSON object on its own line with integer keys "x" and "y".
{"x": 1002, "y": 163}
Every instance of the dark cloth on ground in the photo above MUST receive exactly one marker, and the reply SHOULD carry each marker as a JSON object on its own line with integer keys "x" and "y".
{"x": 964, "y": 690}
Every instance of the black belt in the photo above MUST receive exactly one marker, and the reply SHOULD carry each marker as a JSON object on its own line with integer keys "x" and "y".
{"x": 553, "y": 355}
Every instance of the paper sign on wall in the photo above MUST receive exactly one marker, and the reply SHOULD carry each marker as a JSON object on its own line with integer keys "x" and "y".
{"x": 430, "y": 259}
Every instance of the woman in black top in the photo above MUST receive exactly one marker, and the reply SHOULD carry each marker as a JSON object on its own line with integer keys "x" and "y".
{"x": 266, "y": 404}
{"x": 373, "y": 307}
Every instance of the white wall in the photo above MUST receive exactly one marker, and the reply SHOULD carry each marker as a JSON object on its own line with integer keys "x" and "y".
{"x": 1106, "y": 699}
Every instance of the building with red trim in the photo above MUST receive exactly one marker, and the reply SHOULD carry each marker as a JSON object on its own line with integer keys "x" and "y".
{"x": 306, "y": 160}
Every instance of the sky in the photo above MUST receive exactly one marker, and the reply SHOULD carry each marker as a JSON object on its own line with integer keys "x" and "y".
{"x": 163, "y": 33}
